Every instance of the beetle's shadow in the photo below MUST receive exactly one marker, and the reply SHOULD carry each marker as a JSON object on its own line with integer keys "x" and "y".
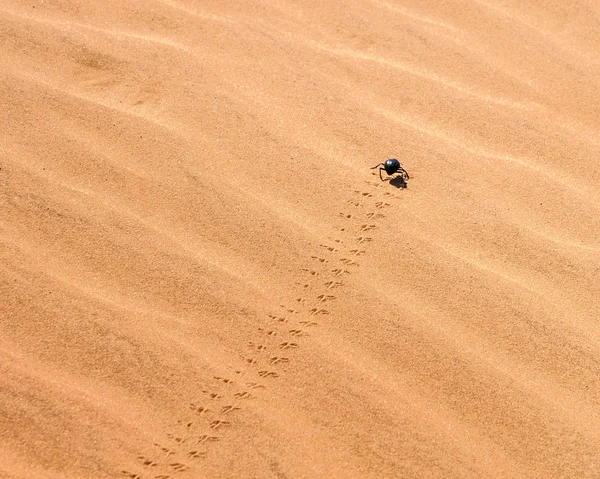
{"x": 399, "y": 182}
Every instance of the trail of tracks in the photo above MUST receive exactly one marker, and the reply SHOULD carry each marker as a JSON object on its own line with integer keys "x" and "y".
{"x": 209, "y": 418}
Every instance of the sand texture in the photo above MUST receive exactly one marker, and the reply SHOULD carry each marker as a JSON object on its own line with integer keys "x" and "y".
{"x": 200, "y": 276}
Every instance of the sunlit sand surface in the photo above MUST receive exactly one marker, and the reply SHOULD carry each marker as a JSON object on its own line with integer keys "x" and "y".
{"x": 202, "y": 277}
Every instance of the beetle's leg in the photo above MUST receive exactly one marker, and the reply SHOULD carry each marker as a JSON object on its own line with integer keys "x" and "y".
{"x": 380, "y": 170}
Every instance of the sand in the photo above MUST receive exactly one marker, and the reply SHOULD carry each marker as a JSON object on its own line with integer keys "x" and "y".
{"x": 200, "y": 276}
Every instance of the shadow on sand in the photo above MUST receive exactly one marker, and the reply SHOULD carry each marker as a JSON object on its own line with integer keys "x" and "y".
{"x": 399, "y": 182}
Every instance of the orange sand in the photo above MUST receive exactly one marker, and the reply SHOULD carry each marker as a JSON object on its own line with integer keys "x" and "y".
{"x": 201, "y": 277}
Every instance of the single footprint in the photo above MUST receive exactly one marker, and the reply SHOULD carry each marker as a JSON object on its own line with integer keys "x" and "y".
{"x": 345, "y": 215}
{"x": 198, "y": 409}
{"x": 320, "y": 260}
{"x": 381, "y": 204}
{"x": 297, "y": 332}
{"x": 196, "y": 454}
{"x": 349, "y": 262}
{"x": 267, "y": 332}
{"x": 367, "y": 227}
{"x": 224, "y": 380}
{"x": 363, "y": 239}
{"x": 362, "y": 193}
{"x": 309, "y": 323}
{"x": 131, "y": 475}
{"x": 339, "y": 271}
{"x": 178, "y": 440}
{"x": 258, "y": 347}
{"x": 252, "y": 385}
{"x": 217, "y": 423}
{"x": 229, "y": 409}
{"x": 315, "y": 311}
{"x": 206, "y": 438}
{"x": 313, "y": 273}
{"x": 268, "y": 374}
{"x": 325, "y": 297}
{"x": 278, "y": 360}
{"x": 243, "y": 395}
{"x": 168, "y": 452}
{"x": 288, "y": 345}
{"x": 333, "y": 284}
{"x": 179, "y": 467}
{"x": 213, "y": 395}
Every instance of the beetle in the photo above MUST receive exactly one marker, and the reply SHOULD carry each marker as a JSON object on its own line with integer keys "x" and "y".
{"x": 392, "y": 166}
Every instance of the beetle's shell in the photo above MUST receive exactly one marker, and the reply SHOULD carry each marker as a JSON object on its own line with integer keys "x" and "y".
{"x": 391, "y": 166}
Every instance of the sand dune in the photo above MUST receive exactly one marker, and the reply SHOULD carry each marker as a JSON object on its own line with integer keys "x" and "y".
{"x": 201, "y": 277}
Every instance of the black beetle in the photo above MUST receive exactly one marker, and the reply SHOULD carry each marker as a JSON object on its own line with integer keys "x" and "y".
{"x": 392, "y": 166}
